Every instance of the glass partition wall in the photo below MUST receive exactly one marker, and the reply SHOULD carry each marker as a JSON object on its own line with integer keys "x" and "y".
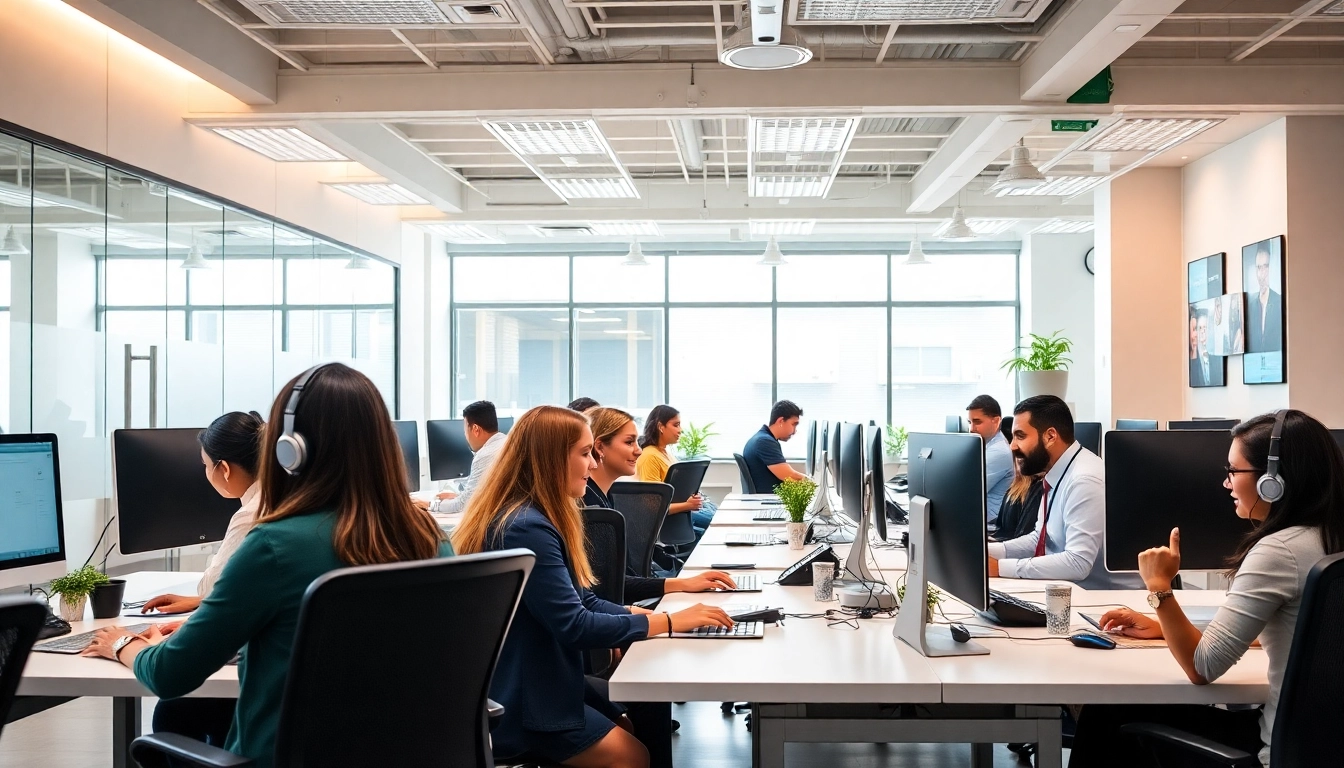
{"x": 126, "y": 301}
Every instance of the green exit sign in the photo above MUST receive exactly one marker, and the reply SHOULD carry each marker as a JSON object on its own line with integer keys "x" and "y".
{"x": 1076, "y": 126}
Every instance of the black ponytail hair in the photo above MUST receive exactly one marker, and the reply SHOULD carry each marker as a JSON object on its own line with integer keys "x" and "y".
{"x": 236, "y": 438}
{"x": 660, "y": 415}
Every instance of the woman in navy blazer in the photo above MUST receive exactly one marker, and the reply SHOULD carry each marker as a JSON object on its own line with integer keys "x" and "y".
{"x": 530, "y": 500}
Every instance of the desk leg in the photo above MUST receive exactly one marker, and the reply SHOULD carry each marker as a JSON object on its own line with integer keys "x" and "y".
{"x": 125, "y": 729}
{"x": 1050, "y": 746}
{"x": 982, "y": 756}
{"x": 768, "y": 738}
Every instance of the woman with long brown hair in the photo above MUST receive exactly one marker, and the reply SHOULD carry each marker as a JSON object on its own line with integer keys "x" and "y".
{"x": 530, "y": 500}
{"x": 345, "y": 504}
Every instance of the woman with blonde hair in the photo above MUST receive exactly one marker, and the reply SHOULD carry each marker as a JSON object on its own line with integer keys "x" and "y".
{"x": 1021, "y": 505}
{"x": 530, "y": 500}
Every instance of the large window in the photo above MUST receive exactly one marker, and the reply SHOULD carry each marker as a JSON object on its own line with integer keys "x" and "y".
{"x": 853, "y": 336}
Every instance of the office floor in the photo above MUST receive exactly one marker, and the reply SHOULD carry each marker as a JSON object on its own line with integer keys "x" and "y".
{"x": 78, "y": 735}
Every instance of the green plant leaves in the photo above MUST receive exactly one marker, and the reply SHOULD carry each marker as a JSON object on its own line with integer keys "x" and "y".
{"x": 77, "y": 584}
{"x": 796, "y": 495}
{"x": 694, "y": 441}
{"x": 1046, "y": 353}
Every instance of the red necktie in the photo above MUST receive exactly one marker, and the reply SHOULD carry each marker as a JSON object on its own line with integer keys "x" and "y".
{"x": 1045, "y": 503}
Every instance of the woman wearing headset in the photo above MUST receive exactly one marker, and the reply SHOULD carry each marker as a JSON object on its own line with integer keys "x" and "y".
{"x": 333, "y": 495}
{"x": 1285, "y": 473}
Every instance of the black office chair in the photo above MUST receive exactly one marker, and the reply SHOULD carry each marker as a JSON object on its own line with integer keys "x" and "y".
{"x": 685, "y": 477}
{"x": 20, "y": 620}
{"x": 747, "y": 485}
{"x": 411, "y": 709}
{"x": 1311, "y": 701}
{"x": 644, "y": 506}
{"x": 604, "y": 536}
{"x": 1006, "y": 427}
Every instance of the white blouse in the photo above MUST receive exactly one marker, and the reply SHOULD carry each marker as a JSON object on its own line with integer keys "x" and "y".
{"x": 239, "y": 525}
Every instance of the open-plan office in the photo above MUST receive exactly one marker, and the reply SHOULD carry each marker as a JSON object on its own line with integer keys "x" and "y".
{"x": 294, "y": 297}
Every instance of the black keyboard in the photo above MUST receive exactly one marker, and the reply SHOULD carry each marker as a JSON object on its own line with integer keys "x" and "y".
{"x": 77, "y": 643}
{"x": 1010, "y": 611}
{"x": 771, "y": 514}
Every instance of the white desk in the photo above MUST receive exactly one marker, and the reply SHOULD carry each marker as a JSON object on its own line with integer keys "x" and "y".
{"x": 711, "y": 550}
{"x": 61, "y": 676}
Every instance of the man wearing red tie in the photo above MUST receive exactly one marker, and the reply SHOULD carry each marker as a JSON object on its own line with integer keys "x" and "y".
{"x": 1069, "y": 538}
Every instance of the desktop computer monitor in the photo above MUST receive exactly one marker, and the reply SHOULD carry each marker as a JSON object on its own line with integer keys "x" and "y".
{"x": 949, "y": 471}
{"x": 32, "y": 529}
{"x": 1338, "y": 434}
{"x": 1219, "y": 424}
{"x": 954, "y": 424}
{"x": 1131, "y": 425}
{"x": 810, "y": 462}
{"x": 449, "y": 452}
{"x": 850, "y": 481}
{"x": 1089, "y": 434}
{"x": 505, "y": 424}
{"x": 1156, "y": 481}
{"x": 408, "y": 435}
{"x": 163, "y": 498}
{"x": 877, "y": 489}
{"x": 833, "y": 452}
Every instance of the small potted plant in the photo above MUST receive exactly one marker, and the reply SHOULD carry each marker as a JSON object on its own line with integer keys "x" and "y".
{"x": 75, "y": 588}
{"x": 694, "y": 442}
{"x": 1043, "y": 369}
{"x": 894, "y": 440}
{"x": 932, "y": 598}
{"x": 796, "y": 496}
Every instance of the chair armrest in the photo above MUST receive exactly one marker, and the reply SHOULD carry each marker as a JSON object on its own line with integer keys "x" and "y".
{"x": 1207, "y": 749}
{"x": 183, "y": 748}
{"x": 493, "y": 709}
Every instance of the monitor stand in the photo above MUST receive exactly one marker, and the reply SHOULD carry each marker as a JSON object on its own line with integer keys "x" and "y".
{"x": 822, "y": 511}
{"x": 855, "y": 573}
{"x": 913, "y": 627}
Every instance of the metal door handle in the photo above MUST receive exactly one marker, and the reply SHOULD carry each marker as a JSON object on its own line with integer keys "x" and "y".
{"x": 130, "y": 360}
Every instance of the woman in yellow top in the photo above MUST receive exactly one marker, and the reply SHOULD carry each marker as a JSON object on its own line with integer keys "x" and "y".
{"x": 663, "y": 429}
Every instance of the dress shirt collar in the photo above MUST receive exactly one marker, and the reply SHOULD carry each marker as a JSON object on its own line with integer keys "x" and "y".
{"x": 1056, "y": 474}
{"x": 250, "y": 495}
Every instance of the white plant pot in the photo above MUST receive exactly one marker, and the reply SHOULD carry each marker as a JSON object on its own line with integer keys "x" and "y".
{"x": 797, "y": 534}
{"x": 1033, "y": 383}
{"x": 73, "y": 611}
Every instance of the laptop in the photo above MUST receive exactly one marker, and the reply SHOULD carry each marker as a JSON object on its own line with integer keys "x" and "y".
{"x": 1199, "y": 615}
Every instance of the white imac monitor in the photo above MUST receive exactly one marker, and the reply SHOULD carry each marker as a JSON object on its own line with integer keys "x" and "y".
{"x": 32, "y": 532}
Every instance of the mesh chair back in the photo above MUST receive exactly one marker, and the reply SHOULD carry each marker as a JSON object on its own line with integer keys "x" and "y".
{"x": 644, "y": 506}
{"x": 20, "y": 620}
{"x": 685, "y": 477}
{"x": 1311, "y": 702}
{"x": 346, "y": 705}
{"x": 747, "y": 485}
{"x": 604, "y": 533}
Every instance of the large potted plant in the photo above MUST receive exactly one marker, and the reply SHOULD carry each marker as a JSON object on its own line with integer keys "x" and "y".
{"x": 694, "y": 442}
{"x": 796, "y": 495}
{"x": 75, "y": 588}
{"x": 1042, "y": 366}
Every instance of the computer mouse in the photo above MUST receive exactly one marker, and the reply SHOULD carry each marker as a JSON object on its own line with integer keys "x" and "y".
{"x": 767, "y": 615}
{"x": 960, "y": 633}
{"x": 1091, "y": 640}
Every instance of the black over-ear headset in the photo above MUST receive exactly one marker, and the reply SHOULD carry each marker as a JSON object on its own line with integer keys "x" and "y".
{"x": 1270, "y": 486}
{"x": 291, "y": 450}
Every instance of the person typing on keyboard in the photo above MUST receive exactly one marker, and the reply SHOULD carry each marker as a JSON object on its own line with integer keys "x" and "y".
{"x": 1070, "y": 530}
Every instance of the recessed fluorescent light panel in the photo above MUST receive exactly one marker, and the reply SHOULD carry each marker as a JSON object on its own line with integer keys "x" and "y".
{"x": 796, "y": 156}
{"x": 373, "y": 12}
{"x": 572, "y": 157}
{"x": 927, "y": 11}
{"x": 465, "y": 234}
{"x": 1141, "y": 134}
{"x": 626, "y": 228}
{"x": 1063, "y": 227}
{"x": 285, "y": 145}
{"x": 378, "y": 192}
{"x": 981, "y": 226}
{"x": 1061, "y": 186}
{"x": 785, "y": 227}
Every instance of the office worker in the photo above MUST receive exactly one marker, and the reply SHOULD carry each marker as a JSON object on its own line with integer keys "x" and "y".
{"x": 1264, "y": 315}
{"x": 763, "y": 454}
{"x": 662, "y": 430}
{"x": 483, "y": 435}
{"x": 348, "y": 506}
{"x": 583, "y": 404}
{"x": 1269, "y": 571}
{"x": 532, "y": 502}
{"x": 1067, "y": 541}
{"x": 985, "y": 416}
{"x": 1021, "y": 506}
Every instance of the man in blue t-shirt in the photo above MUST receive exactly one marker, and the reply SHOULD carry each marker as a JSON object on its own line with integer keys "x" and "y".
{"x": 765, "y": 458}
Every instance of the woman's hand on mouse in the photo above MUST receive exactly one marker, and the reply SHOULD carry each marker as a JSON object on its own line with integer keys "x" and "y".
{"x": 172, "y": 604}
{"x": 1123, "y": 621}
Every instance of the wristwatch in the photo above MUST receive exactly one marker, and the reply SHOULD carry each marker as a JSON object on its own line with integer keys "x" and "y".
{"x": 1155, "y": 598}
{"x": 119, "y": 643}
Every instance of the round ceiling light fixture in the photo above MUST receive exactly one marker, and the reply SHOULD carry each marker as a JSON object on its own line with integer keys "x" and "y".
{"x": 758, "y": 47}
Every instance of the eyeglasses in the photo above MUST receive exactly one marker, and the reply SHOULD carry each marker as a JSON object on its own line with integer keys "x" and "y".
{"x": 1233, "y": 471}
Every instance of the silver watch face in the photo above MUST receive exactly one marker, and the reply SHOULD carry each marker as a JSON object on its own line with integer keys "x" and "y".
{"x": 1154, "y": 600}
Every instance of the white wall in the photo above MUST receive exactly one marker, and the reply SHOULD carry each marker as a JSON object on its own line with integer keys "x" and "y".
{"x": 1230, "y": 198}
{"x": 1058, "y": 294}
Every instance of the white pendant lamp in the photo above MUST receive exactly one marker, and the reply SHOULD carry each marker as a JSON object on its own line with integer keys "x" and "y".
{"x": 916, "y": 256}
{"x": 1021, "y": 173}
{"x": 12, "y": 245}
{"x": 195, "y": 259}
{"x": 772, "y": 256}
{"x": 635, "y": 258}
{"x": 959, "y": 230}
{"x": 359, "y": 261}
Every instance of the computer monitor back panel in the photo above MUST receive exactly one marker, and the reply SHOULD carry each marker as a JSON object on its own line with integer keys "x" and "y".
{"x": 505, "y": 424}
{"x": 449, "y": 452}
{"x": 1089, "y": 434}
{"x": 1156, "y": 481}
{"x": 162, "y": 495}
{"x": 949, "y": 470}
{"x": 810, "y": 463}
{"x": 833, "y": 453}
{"x": 1202, "y": 424}
{"x": 851, "y": 471}
{"x": 408, "y": 435}
{"x": 877, "y": 490}
{"x": 32, "y": 529}
{"x": 1338, "y": 434}
{"x": 954, "y": 424}
{"x": 1130, "y": 425}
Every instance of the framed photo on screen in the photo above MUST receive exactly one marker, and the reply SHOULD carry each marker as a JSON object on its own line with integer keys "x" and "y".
{"x": 1262, "y": 267}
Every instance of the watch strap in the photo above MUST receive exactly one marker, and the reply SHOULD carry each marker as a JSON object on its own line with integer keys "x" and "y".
{"x": 1163, "y": 595}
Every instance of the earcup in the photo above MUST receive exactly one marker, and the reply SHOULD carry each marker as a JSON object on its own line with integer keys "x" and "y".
{"x": 291, "y": 452}
{"x": 1270, "y": 488}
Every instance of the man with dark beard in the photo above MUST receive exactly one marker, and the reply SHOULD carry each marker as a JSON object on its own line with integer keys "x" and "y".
{"x": 1070, "y": 532}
